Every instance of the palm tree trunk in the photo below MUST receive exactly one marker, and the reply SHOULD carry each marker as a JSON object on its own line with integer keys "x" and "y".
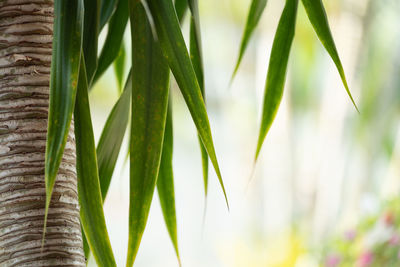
{"x": 26, "y": 28}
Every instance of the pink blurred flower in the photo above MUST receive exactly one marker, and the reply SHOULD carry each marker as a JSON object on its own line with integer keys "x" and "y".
{"x": 394, "y": 240}
{"x": 365, "y": 259}
{"x": 350, "y": 235}
{"x": 332, "y": 260}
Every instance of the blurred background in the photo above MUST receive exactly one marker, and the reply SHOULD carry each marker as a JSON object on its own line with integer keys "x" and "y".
{"x": 323, "y": 169}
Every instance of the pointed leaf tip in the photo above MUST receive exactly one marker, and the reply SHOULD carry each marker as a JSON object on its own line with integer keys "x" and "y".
{"x": 277, "y": 69}
{"x": 318, "y": 18}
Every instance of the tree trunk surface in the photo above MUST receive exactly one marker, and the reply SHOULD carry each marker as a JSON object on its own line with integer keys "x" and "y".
{"x": 26, "y": 30}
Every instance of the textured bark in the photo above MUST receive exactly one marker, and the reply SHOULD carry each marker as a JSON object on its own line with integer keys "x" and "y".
{"x": 25, "y": 57}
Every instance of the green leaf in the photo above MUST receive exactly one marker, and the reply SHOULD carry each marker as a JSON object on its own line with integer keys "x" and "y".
{"x": 66, "y": 56}
{"x": 181, "y": 8}
{"x": 112, "y": 136}
{"x": 317, "y": 16}
{"x": 197, "y": 61}
{"x": 256, "y": 10}
{"x": 107, "y": 9}
{"x": 114, "y": 38}
{"x": 119, "y": 66}
{"x": 174, "y": 48}
{"x": 165, "y": 183}
{"x": 150, "y": 88}
{"x": 90, "y": 201}
{"x": 277, "y": 68}
{"x": 90, "y": 36}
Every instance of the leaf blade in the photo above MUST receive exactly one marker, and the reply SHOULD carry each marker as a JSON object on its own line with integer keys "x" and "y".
{"x": 165, "y": 183}
{"x": 174, "y": 48}
{"x": 112, "y": 136}
{"x": 107, "y": 9}
{"x": 114, "y": 38}
{"x": 255, "y": 12}
{"x": 90, "y": 200}
{"x": 197, "y": 61}
{"x": 150, "y": 88}
{"x": 90, "y": 36}
{"x": 66, "y": 55}
{"x": 277, "y": 69}
{"x": 318, "y": 18}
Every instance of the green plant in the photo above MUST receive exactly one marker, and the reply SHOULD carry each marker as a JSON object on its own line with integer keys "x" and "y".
{"x": 157, "y": 48}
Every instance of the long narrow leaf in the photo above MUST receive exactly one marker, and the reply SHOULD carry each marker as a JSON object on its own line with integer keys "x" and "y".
{"x": 150, "y": 88}
{"x": 112, "y": 136}
{"x": 317, "y": 16}
{"x": 107, "y": 9}
{"x": 67, "y": 43}
{"x": 277, "y": 68}
{"x": 174, "y": 48}
{"x": 90, "y": 201}
{"x": 165, "y": 183}
{"x": 114, "y": 38}
{"x": 197, "y": 61}
{"x": 90, "y": 36}
{"x": 256, "y": 10}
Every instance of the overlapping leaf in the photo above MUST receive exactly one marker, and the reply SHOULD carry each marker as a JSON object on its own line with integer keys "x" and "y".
{"x": 90, "y": 36}
{"x": 256, "y": 10}
{"x": 317, "y": 15}
{"x": 90, "y": 199}
{"x": 67, "y": 43}
{"x": 112, "y": 136}
{"x": 181, "y": 7}
{"x": 150, "y": 87}
{"x": 197, "y": 61}
{"x": 107, "y": 9}
{"x": 174, "y": 48}
{"x": 119, "y": 67}
{"x": 277, "y": 69}
{"x": 165, "y": 183}
{"x": 114, "y": 38}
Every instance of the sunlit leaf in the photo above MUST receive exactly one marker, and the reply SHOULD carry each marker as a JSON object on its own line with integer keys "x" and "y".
{"x": 256, "y": 10}
{"x": 174, "y": 48}
{"x": 150, "y": 88}
{"x": 119, "y": 66}
{"x": 107, "y": 9}
{"x": 317, "y": 15}
{"x": 90, "y": 201}
{"x": 165, "y": 183}
{"x": 197, "y": 61}
{"x": 112, "y": 136}
{"x": 114, "y": 38}
{"x": 277, "y": 69}
{"x": 90, "y": 36}
{"x": 66, "y": 56}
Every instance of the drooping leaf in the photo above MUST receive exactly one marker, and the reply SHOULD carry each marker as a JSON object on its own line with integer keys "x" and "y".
{"x": 107, "y": 9}
{"x": 150, "y": 88}
{"x": 119, "y": 66}
{"x": 112, "y": 136}
{"x": 197, "y": 61}
{"x": 277, "y": 69}
{"x": 90, "y": 201}
{"x": 114, "y": 38}
{"x": 256, "y": 10}
{"x": 66, "y": 56}
{"x": 90, "y": 36}
{"x": 317, "y": 16}
{"x": 174, "y": 48}
{"x": 165, "y": 183}
{"x": 181, "y": 7}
